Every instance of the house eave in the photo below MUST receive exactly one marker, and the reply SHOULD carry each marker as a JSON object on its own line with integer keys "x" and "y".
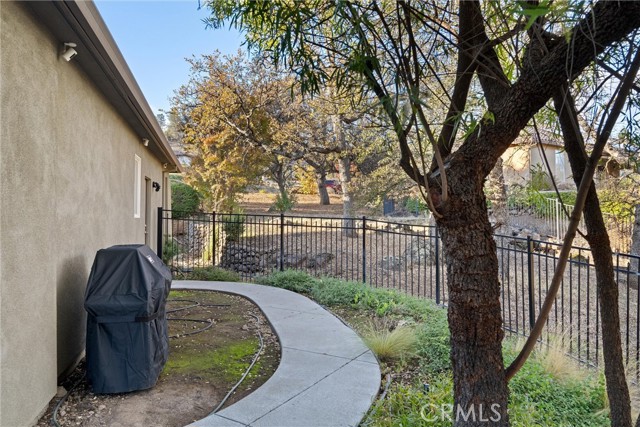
{"x": 99, "y": 57}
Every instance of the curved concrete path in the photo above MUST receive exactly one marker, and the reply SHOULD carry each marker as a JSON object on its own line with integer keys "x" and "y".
{"x": 326, "y": 376}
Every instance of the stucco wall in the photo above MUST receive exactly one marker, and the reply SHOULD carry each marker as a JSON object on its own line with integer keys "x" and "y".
{"x": 520, "y": 159}
{"x": 516, "y": 165}
{"x": 66, "y": 190}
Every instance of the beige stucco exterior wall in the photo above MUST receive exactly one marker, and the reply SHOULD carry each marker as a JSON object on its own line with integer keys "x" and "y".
{"x": 66, "y": 190}
{"x": 519, "y": 159}
{"x": 516, "y": 165}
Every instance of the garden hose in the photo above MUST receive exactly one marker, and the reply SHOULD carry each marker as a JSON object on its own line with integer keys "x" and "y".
{"x": 194, "y": 304}
{"x": 54, "y": 418}
{"x": 209, "y": 325}
{"x": 379, "y": 400}
{"x": 253, "y": 362}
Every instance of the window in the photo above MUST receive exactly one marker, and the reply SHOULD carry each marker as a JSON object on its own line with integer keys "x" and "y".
{"x": 560, "y": 166}
{"x": 137, "y": 190}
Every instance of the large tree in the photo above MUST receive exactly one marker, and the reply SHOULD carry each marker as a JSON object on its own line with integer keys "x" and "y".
{"x": 398, "y": 52}
{"x": 238, "y": 123}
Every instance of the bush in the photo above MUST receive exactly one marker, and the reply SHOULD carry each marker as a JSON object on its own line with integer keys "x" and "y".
{"x": 332, "y": 292}
{"x": 412, "y": 405}
{"x": 170, "y": 248}
{"x": 213, "y": 274}
{"x": 415, "y": 205}
{"x": 284, "y": 203}
{"x": 292, "y": 280}
{"x": 433, "y": 346}
{"x": 233, "y": 226}
{"x": 538, "y": 395}
{"x": 185, "y": 201}
{"x": 307, "y": 181}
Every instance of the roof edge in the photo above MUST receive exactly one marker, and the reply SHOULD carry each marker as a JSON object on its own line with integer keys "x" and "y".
{"x": 101, "y": 59}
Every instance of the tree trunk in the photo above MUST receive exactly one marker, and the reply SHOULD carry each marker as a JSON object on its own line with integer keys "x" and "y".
{"x": 598, "y": 239}
{"x": 321, "y": 178}
{"x": 475, "y": 320}
{"x": 344, "y": 168}
{"x": 278, "y": 173}
{"x": 282, "y": 189}
{"x": 498, "y": 195}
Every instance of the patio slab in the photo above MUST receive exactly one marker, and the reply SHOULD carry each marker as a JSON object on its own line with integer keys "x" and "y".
{"x": 326, "y": 376}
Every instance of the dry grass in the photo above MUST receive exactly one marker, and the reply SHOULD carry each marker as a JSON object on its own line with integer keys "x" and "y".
{"x": 555, "y": 360}
{"x": 307, "y": 204}
{"x": 390, "y": 342}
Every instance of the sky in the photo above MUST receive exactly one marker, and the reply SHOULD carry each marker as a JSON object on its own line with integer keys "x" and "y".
{"x": 155, "y": 37}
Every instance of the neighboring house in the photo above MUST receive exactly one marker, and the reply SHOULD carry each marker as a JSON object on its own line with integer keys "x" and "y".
{"x": 525, "y": 157}
{"x": 80, "y": 151}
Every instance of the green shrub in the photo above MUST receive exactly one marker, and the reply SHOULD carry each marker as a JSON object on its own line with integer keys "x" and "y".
{"x": 185, "y": 200}
{"x": 332, "y": 292}
{"x": 292, "y": 280}
{"x": 284, "y": 203}
{"x": 536, "y": 399}
{"x": 170, "y": 248}
{"x": 421, "y": 309}
{"x": 412, "y": 405}
{"x": 538, "y": 395}
{"x": 415, "y": 205}
{"x": 433, "y": 345}
{"x": 233, "y": 226}
{"x": 539, "y": 179}
{"x": 213, "y": 274}
{"x": 329, "y": 291}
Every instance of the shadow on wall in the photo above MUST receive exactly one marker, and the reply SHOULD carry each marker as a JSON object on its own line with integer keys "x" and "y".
{"x": 71, "y": 283}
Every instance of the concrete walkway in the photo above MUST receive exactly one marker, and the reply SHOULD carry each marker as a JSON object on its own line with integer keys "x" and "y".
{"x": 326, "y": 376}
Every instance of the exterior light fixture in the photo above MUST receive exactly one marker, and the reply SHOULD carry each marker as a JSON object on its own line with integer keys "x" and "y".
{"x": 69, "y": 51}
{"x": 145, "y": 142}
{"x": 156, "y": 186}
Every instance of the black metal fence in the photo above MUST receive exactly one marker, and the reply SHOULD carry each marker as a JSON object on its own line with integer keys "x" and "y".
{"x": 407, "y": 257}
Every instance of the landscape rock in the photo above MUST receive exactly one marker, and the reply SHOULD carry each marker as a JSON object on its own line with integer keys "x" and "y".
{"x": 320, "y": 260}
{"x": 421, "y": 251}
{"x": 394, "y": 263}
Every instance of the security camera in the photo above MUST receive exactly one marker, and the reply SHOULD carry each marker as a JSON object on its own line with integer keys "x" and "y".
{"x": 69, "y": 51}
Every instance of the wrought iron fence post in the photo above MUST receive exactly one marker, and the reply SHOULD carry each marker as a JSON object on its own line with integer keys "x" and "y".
{"x": 159, "y": 234}
{"x": 364, "y": 249}
{"x": 437, "y": 245}
{"x": 215, "y": 239}
{"x": 530, "y": 271}
{"x": 282, "y": 242}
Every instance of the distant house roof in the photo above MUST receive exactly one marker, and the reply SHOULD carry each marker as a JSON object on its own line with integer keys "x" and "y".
{"x": 98, "y": 55}
{"x": 530, "y": 136}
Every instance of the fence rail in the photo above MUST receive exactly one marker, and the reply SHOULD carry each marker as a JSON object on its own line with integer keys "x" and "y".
{"x": 408, "y": 257}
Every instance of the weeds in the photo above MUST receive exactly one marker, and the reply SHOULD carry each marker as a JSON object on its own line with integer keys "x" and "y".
{"x": 208, "y": 274}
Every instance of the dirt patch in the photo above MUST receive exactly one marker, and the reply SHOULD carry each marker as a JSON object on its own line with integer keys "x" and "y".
{"x": 203, "y": 366}
{"x": 307, "y": 204}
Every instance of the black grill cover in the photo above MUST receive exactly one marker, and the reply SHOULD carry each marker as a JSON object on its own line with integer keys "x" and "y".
{"x": 127, "y": 337}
